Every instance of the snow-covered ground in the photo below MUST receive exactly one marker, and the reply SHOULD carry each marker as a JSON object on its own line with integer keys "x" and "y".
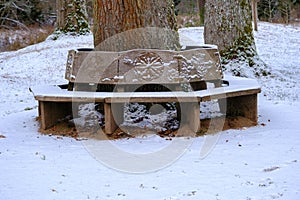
{"x": 261, "y": 162}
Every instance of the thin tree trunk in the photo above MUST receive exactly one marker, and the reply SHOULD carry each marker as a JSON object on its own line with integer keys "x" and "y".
{"x": 254, "y": 13}
{"x": 72, "y": 16}
{"x": 201, "y": 4}
{"x": 61, "y": 13}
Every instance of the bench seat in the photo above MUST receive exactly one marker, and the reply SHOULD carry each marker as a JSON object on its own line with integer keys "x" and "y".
{"x": 240, "y": 96}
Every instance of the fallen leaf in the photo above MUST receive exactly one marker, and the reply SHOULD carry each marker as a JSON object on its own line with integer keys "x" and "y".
{"x": 54, "y": 190}
{"x": 271, "y": 169}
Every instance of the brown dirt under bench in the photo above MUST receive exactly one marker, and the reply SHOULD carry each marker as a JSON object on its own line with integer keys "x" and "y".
{"x": 208, "y": 126}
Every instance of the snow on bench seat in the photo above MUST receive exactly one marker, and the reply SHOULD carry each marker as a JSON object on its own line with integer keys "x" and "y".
{"x": 240, "y": 96}
{"x": 238, "y": 87}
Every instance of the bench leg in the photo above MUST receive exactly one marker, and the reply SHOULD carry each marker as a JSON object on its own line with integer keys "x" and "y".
{"x": 245, "y": 106}
{"x": 222, "y": 105}
{"x": 113, "y": 117}
{"x": 51, "y": 112}
{"x": 190, "y": 114}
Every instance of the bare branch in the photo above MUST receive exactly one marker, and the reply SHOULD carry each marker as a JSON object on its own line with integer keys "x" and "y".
{"x": 16, "y": 22}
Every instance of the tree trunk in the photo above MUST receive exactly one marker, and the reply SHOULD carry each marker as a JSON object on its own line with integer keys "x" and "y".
{"x": 125, "y": 24}
{"x": 61, "y": 13}
{"x": 254, "y": 13}
{"x": 72, "y": 17}
{"x": 228, "y": 24}
{"x": 201, "y": 4}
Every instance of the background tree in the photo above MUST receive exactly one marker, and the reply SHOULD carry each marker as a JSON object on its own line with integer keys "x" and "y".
{"x": 176, "y": 3}
{"x": 277, "y": 10}
{"x": 19, "y": 13}
{"x": 228, "y": 24}
{"x": 254, "y": 13}
{"x": 134, "y": 20}
{"x": 72, "y": 17}
{"x": 201, "y": 4}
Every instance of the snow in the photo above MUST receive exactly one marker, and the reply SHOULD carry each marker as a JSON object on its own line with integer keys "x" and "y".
{"x": 236, "y": 84}
{"x": 261, "y": 162}
{"x": 279, "y": 47}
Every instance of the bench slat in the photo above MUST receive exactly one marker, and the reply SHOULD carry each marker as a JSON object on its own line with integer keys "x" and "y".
{"x": 237, "y": 87}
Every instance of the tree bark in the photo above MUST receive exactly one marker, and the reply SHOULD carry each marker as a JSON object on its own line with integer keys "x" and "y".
{"x": 228, "y": 21}
{"x": 228, "y": 24}
{"x": 61, "y": 13}
{"x": 201, "y": 4}
{"x": 254, "y": 13}
{"x": 129, "y": 24}
{"x": 72, "y": 16}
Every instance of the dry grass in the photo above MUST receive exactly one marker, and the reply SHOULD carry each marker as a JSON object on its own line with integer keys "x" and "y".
{"x": 11, "y": 40}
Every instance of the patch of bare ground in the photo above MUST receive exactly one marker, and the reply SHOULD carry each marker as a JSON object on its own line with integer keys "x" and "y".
{"x": 208, "y": 126}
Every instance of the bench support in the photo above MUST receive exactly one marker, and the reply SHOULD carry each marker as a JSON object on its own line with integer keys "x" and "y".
{"x": 190, "y": 114}
{"x": 114, "y": 116}
{"x": 245, "y": 106}
{"x": 236, "y": 99}
{"x": 51, "y": 112}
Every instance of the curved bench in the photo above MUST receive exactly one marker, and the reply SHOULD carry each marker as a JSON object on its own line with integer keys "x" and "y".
{"x": 113, "y": 78}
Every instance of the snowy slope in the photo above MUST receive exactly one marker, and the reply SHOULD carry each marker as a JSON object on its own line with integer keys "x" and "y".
{"x": 279, "y": 47}
{"x": 262, "y": 162}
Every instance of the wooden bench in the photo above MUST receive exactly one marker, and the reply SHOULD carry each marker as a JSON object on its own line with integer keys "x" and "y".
{"x": 115, "y": 78}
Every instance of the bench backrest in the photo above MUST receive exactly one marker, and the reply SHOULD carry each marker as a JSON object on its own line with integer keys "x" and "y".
{"x": 144, "y": 66}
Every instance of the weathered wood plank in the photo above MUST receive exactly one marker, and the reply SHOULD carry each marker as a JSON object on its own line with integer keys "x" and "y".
{"x": 190, "y": 114}
{"x": 94, "y": 67}
{"x": 148, "y": 66}
{"x": 219, "y": 94}
{"x": 199, "y": 64}
{"x": 55, "y": 94}
{"x": 245, "y": 106}
{"x": 51, "y": 112}
{"x": 114, "y": 116}
{"x": 144, "y": 66}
